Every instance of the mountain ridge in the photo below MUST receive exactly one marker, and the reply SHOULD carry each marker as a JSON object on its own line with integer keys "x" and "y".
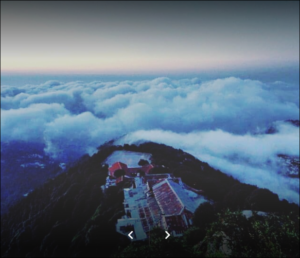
{"x": 70, "y": 215}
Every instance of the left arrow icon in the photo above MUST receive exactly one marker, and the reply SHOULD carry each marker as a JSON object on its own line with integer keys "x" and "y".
{"x": 130, "y": 234}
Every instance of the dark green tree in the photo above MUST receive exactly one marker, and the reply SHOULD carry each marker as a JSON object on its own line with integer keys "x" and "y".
{"x": 119, "y": 172}
{"x": 259, "y": 236}
{"x": 204, "y": 215}
{"x": 143, "y": 162}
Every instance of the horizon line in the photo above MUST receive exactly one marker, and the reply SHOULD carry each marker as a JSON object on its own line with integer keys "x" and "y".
{"x": 150, "y": 72}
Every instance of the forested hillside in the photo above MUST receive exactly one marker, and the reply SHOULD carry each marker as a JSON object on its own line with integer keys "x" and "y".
{"x": 70, "y": 215}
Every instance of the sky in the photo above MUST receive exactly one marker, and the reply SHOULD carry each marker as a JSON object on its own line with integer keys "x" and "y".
{"x": 128, "y": 38}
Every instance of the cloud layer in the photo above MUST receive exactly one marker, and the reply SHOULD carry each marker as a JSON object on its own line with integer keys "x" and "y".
{"x": 220, "y": 121}
{"x": 249, "y": 158}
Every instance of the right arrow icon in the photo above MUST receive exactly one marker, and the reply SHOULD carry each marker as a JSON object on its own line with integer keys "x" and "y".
{"x": 167, "y": 234}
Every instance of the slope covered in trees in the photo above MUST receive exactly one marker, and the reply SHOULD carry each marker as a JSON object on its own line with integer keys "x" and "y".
{"x": 229, "y": 234}
{"x": 70, "y": 215}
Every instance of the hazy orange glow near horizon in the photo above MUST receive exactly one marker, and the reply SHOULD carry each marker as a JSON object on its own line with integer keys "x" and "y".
{"x": 157, "y": 37}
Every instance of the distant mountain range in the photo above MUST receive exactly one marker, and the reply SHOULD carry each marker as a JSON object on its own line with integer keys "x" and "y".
{"x": 24, "y": 166}
{"x": 289, "y": 165}
{"x": 273, "y": 130}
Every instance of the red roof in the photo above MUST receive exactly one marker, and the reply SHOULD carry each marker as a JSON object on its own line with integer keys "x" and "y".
{"x": 116, "y": 166}
{"x": 175, "y": 223}
{"x": 147, "y": 168}
{"x": 168, "y": 201}
{"x": 119, "y": 179}
{"x": 128, "y": 171}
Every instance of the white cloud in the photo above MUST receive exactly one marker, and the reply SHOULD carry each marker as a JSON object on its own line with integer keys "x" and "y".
{"x": 28, "y": 123}
{"x": 215, "y": 120}
{"x": 249, "y": 158}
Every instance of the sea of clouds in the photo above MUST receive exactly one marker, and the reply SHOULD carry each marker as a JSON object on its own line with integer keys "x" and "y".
{"x": 222, "y": 121}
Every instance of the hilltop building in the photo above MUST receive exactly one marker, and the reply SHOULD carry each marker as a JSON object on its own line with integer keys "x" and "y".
{"x": 129, "y": 171}
{"x": 154, "y": 200}
{"x": 112, "y": 180}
